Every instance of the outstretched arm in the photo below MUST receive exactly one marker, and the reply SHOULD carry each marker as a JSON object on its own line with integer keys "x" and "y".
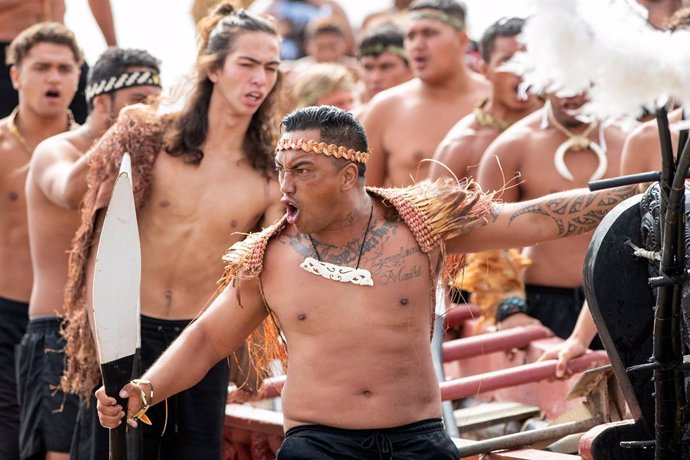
{"x": 61, "y": 178}
{"x": 214, "y": 335}
{"x": 547, "y": 218}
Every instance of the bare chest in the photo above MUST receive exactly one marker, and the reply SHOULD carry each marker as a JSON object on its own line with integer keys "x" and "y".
{"x": 13, "y": 172}
{"x": 414, "y": 133}
{"x": 550, "y": 166}
{"x": 306, "y": 303}
{"x": 219, "y": 199}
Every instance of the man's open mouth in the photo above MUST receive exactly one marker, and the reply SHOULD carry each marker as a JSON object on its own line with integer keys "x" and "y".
{"x": 52, "y": 94}
{"x": 292, "y": 211}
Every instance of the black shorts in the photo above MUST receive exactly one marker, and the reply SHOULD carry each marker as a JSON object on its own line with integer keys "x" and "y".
{"x": 14, "y": 317}
{"x": 47, "y": 415}
{"x": 423, "y": 440}
{"x": 195, "y": 416}
{"x": 557, "y": 308}
{"x": 9, "y": 97}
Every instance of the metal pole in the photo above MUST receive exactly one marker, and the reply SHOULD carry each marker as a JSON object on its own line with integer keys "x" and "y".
{"x": 527, "y": 438}
{"x": 436, "y": 357}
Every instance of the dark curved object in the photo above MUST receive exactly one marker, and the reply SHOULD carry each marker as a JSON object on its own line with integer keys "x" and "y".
{"x": 622, "y": 305}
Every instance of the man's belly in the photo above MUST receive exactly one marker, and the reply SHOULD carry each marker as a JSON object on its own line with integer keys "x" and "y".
{"x": 361, "y": 396}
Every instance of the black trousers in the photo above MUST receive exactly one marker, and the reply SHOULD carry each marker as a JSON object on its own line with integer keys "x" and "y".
{"x": 195, "y": 416}
{"x": 423, "y": 440}
{"x": 14, "y": 317}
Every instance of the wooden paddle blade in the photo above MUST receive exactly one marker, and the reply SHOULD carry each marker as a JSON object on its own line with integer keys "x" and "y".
{"x": 116, "y": 283}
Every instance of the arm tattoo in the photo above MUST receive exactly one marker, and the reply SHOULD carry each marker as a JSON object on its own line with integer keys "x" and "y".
{"x": 578, "y": 212}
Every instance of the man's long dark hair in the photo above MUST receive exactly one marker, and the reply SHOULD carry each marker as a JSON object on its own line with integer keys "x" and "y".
{"x": 218, "y": 33}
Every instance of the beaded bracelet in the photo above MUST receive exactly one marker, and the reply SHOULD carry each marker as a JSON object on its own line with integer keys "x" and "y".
{"x": 510, "y": 306}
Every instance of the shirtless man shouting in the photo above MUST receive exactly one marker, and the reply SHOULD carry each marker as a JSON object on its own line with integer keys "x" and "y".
{"x": 361, "y": 380}
{"x": 406, "y": 123}
{"x": 463, "y": 147}
{"x": 45, "y": 60}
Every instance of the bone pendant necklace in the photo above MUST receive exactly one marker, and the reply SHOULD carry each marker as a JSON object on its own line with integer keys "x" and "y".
{"x": 576, "y": 142}
{"x": 339, "y": 273}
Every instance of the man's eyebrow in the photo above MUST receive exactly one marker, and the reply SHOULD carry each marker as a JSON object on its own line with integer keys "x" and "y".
{"x": 302, "y": 163}
{"x": 295, "y": 165}
{"x": 256, "y": 61}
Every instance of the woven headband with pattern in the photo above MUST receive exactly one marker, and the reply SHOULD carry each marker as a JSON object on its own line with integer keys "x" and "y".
{"x": 310, "y": 145}
{"x": 125, "y": 80}
{"x": 378, "y": 49}
{"x": 440, "y": 16}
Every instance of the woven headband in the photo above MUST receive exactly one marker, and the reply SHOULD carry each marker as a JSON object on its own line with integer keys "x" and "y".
{"x": 124, "y": 80}
{"x": 310, "y": 145}
{"x": 378, "y": 49}
{"x": 455, "y": 23}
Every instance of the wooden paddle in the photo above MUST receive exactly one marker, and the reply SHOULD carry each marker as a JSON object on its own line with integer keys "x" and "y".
{"x": 116, "y": 282}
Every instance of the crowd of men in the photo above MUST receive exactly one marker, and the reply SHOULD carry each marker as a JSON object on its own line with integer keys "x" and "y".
{"x": 338, "y": 186}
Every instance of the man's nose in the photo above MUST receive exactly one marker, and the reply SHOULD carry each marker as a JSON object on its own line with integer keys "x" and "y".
{"x": 259, "y": 77}
{"x": 287, "y": 185}
{"x": 53, "y": 75}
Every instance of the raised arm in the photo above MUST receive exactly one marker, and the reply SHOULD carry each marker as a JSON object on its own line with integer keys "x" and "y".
{"x": 547, "y": 218}
{"x": 103, "y": 14}
{"x": 217, "y": 332}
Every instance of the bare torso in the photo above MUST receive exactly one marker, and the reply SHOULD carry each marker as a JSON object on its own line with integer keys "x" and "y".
{"x": 409, "y": 121}
{"x": 189, "y": 221}
{"x": 529, "y": 149}
{"x": 462, "y": 148}
{"x": 51, "y": 229}
{"x": 17, "y": 15}
{"x": 15, "y": 260}
{"x": 642, "y": 149}
{"x": 359, "y": 356}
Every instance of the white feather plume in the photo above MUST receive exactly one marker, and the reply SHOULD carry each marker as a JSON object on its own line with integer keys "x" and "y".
{"x": 608, "y": 48}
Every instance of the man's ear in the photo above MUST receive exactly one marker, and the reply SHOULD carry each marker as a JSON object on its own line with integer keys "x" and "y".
{"x": 212, "y": 74}
{"x": 14, "y": 76}
{"x": 349, "y": 176}
{"x": 102, "y": 103}
{"x": 483, "y": 68}
{"x": 464, "y": 39}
